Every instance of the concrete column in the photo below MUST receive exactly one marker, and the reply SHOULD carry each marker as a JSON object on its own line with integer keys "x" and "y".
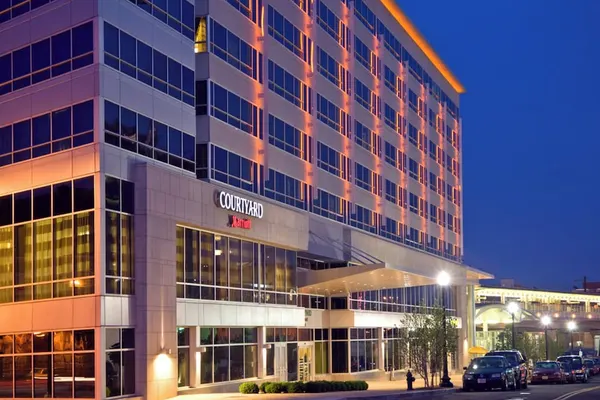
{"x": 471, "y": 315}
{"x": 194, "y": 356}
{"x": 460, "y": 294}
{"x": 381, "y": 345}
{"x": 262, "y": 352}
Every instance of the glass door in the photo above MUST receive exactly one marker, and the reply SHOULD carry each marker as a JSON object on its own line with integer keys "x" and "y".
{"x": 281, "y": 361}
{"x": 305, "y": 358}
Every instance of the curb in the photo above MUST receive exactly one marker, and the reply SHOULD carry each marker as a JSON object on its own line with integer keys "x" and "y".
{"x": 405, "y": 394}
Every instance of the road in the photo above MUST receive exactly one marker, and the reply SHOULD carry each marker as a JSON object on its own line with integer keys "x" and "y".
{"x": 578, "y": 391}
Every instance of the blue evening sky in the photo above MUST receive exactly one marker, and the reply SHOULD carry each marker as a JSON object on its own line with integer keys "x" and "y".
{"x": 531, "y": 127}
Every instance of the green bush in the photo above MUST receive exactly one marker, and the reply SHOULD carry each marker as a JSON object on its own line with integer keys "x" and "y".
{"x": 276, "y": 387}
{"x": 248, "y": 388}
{"x": 263, "y": 387}
{"x": 296, "y": 387}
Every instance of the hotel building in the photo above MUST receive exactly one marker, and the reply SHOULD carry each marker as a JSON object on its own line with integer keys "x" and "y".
{"x": 194, "y": 195}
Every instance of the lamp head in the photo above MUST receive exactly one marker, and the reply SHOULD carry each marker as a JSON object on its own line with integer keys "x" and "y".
{"x": 571, "y": 325}
{"x": 512, "y": 307}
{"x": 443, "y": 279}
{"x": 546, "y": 320}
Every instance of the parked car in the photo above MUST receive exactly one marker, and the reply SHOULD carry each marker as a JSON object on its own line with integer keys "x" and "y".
{"x": 579, "y": 370}
{"x": 489, "y": 372}
{"x": 569, "y": 372}
{"x": 548, "y": 372}
{"x": 517, "y": 362}
{"x": 592, "y": 367}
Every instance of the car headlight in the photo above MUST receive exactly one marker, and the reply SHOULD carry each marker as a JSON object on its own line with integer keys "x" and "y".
{"x": 496, "y": 375}
{"x": 468, "y": 376}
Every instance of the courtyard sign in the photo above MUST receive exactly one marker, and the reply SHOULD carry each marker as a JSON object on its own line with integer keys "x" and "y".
{"x": 239, "y": 204}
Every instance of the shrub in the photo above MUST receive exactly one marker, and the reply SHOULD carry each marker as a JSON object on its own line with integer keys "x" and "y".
{"x": 296, "y": 387}
{"x": 248, "y": 388}
{"x": 263, "y": 386}
{"x": 276, "y": 387}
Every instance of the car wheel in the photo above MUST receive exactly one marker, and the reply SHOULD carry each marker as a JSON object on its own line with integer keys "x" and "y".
{"x": 518, "y": 383}
{"x": 504, "y": 385}
{"x": 524, "y": 385}
{"x": 514, "y": 384}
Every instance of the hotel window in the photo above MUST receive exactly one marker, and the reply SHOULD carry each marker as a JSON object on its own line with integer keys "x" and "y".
{"x": 321, "y": 337}
{"x": 230, "y": 354}
{"x": 422, "y": 175}
{"x": 49, "y": 251}
{"x": 367, "y": 179}
{"x": 456, "y": 196}
{"x": 363, "y": 218}
{"x": 119, "y": 236}
{"x": 200, "y": 38}
{"x": 132, "y": 57}
{"x": 333, "y": 71}
{"x": 433, "y": 213}
{"x": 235, "y": 51}
{"x": 183, "y": 357}
{"x": 449, "y": 191}
{"x": 289, "y": 36}
{"x": 178, "y": 14}
{"x": 235, "y": 111}
{"x": 332, "y": 161}
{"x": 413, "y": 169}
{"x": 367, "y": 139}
{"x": 451, "y": 222}
{"x": 442, "y": 217}
{"x": 413, "y": 101}
{"x": 415, "y": 238}
{"x": 433, "y": 150}
{"x": 304, "y": 5}
{"x": 395, "y": 157}
{"x": 333, "y": 116}
{"x": 433, "y": 179}
{"x": 391, "y": 229}
{"x": 289, "y": 87}
{"x": 120, "y": 362}
{"x": 330, "y": 206}
{"x": 390, "y": 42}
{"x": 48, "y": 133}
{"x": 339, "y": 347}
{"x": 394, "y": 83}
{"x": 394, "y": 120}
{"x": 285, "y": 189}
{"x": 58, "y": 364}
{"x": 251, "y": 9}
{"x": 48, "y": 58}
{"x": 413, "y": 203}
{"x": 290, "y": 139}
{"x": 364, "y": 355}
{"x": 142, "y": 135}
{"x": 367, "y": 98}
{"x": 19, "y": 7}
{"x": 365, "y": 15}
{"x": 333, "y": 25}
{"x": 234, "y": 170}
{"x": 423, "y": 209}
{"x": 391, "y": 191}
{"x": 366, "y": 57}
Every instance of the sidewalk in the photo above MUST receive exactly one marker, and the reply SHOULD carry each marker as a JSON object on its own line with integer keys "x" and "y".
{"x": 377, "y": 390}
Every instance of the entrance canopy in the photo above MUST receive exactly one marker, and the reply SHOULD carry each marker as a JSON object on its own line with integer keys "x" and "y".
{"x": 359, "y": 278}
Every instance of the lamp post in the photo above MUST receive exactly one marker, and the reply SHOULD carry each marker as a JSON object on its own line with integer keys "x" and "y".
{"x": 546, "y": 321}
{"x": 571, "y": 326}
{"x": 513, "y": 308}
{"x": 443, "y": 280}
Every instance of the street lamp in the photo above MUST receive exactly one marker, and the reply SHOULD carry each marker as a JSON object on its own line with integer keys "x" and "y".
{"x": 571, "y": 326}
{"x": 443, "y": 280}
{"x": 546, "y": 320}
{"x": 513, "y": 308}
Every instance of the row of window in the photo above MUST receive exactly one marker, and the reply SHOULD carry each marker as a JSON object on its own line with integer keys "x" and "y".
{"x": 45, "y": 59}
{"x": 333, "y": 71}
{"x": 289, "y": 87}
{"x": 333, "y": 26}
{"x": 132, "y": 57}
{"x": 178, "y": 14}
{"x": 367, "y": 98}
{"x": 367, "y": 139}
{"x": 290, "y": 139}
{"x": 249, "y": 8}
{"x": 13, "y": 9}
{"x": 367, "y": 179}
{"x": 367, "y": 58}
{"x": 333, "y": 161}
{"x": 333, "y": 116}
{"x": 395, "y": 157}
{"x": 439, "y": 185}
{"x": 394, "y": 120}
{"x": 48, "y": 133}
{"x": 289, "y": 35}
{"x": 142, "y": 135}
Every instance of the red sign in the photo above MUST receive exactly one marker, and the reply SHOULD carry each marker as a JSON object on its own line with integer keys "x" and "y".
{"x": 236, "y": 222}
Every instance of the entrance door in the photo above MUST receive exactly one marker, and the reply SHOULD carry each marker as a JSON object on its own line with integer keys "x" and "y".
{"x": 281, "y": 366}
{"x": 305, "y": 356}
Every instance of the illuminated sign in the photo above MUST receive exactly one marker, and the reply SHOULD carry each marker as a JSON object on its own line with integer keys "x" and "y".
{"x": 236, "y": 222}
{"x": 239, "y": 204}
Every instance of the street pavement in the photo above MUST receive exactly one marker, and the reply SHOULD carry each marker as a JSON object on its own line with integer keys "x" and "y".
{"x": 575, "y": 391}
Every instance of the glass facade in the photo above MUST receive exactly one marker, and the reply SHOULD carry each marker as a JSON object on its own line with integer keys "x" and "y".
{"x": 59, "y": 364}
{"x": 47, "y": 242}
{"x": 120, "y": 362}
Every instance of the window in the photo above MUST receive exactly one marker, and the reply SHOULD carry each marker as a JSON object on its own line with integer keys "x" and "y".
{"x": 395, "y": 157}
{"x": 365, "y": 15}
{"x": 304, "y": 5}
{"x": 200, "y": 37}
{"x": 391, "y": 191}
{"x": 119, "y": 236}
{"x": 329, "y": 206}
{"x": 366, "y": 57}
{"x": 231, "y": 354}
{"x": 413, "y": 169}
{"x": 413, "y": 101}
{"x": 235, "y": 51}
{"x": 413, "y": 202}
{"x": 367, "y": 139}
{"x": 139, "y": 134}
{"x": 332, "y": 161}
{"x": 333, "y": 25}
{"x": 367, "y": 98}
{"x": 391, "y": 229}
{"x": 289, "y": 87}
{"x": 333, "y": 71}
{"x": 285, "y": 189}
{"x": 249, "y": 8}
{"x": 236, "y": 111}
{"x": 394, "y": 120}
{"x": 364, "y": 354}
{"x": 289, "y": 36}
{"x": 433, "y": 179}
{"x": 290, "y": 139}
{"x": 52, "y": 241}
{"x": 178, "y": 14}
{"x": 58, "y": 364}
{"x": 234, "y": 170}
{"x": 394, "y": 83}
{"x": 19, "y": 7}
{"x": 163, "y": 73}
{"x": 333, "y": 116}
{"x": 450, "y": 222}
{"x": 64, "y": 52}
{"x": 367, "y": 179}
{"x": 364, "y": 219}
{"x": 48, "y": 133}
{"x": 433, "y": 213}
{"x": 390, "y": 42}
{"x": 120, "y": 361}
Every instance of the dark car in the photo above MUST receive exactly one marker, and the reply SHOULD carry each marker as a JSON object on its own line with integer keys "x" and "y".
{"x": 548, "y": 372}
{"x": 517, "y": 362}
{"x": 579, "y": 370}
{"x": 569, "y": 372}
{"x": 489, "y": 372}
{"x": 591, "y": 367}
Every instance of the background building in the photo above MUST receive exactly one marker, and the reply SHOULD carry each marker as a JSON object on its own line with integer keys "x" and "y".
{"x": 196, "y": 194}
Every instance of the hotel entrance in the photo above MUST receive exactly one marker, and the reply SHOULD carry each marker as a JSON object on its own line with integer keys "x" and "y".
{"x": 286, "y": 361}
{"x": 305, "y": 361}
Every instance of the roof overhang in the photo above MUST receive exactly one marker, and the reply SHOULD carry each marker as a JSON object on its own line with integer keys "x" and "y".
{"x": 477, "y": 274}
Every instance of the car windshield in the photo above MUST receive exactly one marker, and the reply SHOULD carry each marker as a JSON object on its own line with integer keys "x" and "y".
{"x": 486, "y": 362}
{"x": 546, "y": 365}
{"x": 574, "y": 361}
{"x": 589, "y": 363}
{"x": 510, "y": 357}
